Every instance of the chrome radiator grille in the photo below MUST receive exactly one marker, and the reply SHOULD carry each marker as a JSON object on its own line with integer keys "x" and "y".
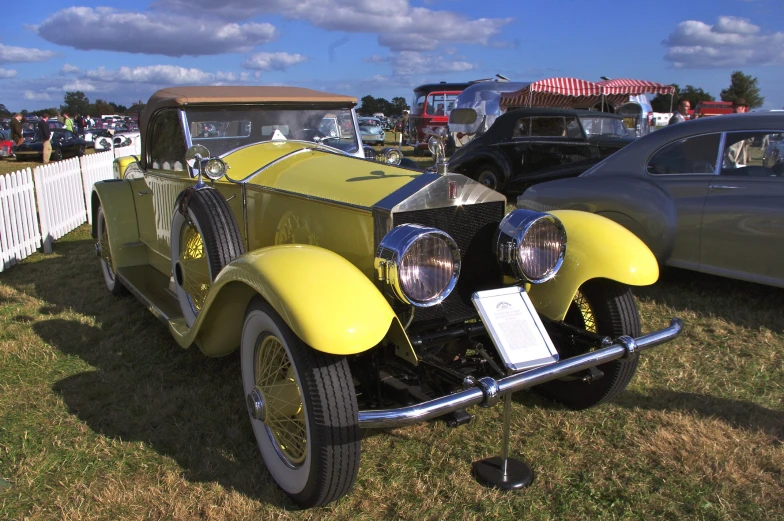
{"x": 473, "y": 227}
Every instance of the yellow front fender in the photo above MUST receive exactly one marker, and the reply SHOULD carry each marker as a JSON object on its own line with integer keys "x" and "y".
{"x": 596, "y": 247}
{"x": 325, "y": 300}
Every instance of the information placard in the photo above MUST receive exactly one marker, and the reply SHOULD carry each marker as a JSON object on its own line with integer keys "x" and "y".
{"x": 515, "y": 328}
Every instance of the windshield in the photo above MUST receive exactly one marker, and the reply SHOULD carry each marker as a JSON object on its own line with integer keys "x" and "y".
{"x": 599, "y": 126}
{"x": 223, "y": 129}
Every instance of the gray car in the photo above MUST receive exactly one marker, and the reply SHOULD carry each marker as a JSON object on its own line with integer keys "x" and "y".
{"x": 700, "y": 194}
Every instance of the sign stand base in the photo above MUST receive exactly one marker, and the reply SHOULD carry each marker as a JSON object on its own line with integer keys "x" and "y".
{"x": 503, "y": 472}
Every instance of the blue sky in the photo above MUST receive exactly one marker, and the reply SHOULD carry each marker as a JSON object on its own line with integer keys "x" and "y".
{"x": 379, "y": 47}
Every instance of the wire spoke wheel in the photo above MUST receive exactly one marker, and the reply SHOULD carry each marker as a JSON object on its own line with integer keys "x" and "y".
{"x": 282, "y": 399}
{"x": 195, "y": 267}
{"x": 604, "y": 307}
{"x": 105, "y": 256}
{"x": 204, "y": 238}
{"x": 302, "y": 408}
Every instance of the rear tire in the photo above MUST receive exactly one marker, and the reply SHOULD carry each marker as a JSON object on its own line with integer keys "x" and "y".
{"x": 57, "y": 154}
{"x": 490, "y": 175}
{"x": 608, "y": 308}
{"x": 202, "y": 243}
{"x": 109, "y": 276}
{"x": 308, "y": 429}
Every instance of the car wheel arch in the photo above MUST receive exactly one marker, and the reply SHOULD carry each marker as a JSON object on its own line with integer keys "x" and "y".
{"x": 348, "y": 326}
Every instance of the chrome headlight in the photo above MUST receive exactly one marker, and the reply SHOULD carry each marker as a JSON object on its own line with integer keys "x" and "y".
{"x": 214, "y": 168}
{"x": 392, "y": 156}
{"x": 530, "y": 245}
{"x": 420, "y": 265}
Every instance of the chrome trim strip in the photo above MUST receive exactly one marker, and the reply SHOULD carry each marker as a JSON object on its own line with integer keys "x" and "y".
{"x": 186, "y": 129}
{"x": 244, "y": 192}
{"x": 159, "y": 314}
{"x": 399, "y": 417}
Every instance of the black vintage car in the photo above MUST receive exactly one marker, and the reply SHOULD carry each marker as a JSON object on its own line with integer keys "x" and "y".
{"x": 64, "y": 144}
{"x": 531, "y": 145}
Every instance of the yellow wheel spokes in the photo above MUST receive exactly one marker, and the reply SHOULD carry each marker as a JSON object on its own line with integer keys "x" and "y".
{"x": 106, "y": 252}
{"x": 585, "y": 312}
{"x": 195, "y": 267}
{"x": 284, "y": 414}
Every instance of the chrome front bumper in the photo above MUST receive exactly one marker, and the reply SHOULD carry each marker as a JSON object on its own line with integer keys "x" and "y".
{"x": 488, "y": 390}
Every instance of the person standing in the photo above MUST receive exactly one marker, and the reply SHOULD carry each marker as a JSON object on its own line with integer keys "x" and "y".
{"x": 740, "y": 106}
{"x": 16, "y": 130}
{"x": 68, "y": 122}
{"x": 682, "y": 113}
{"x": 45, "y": 134}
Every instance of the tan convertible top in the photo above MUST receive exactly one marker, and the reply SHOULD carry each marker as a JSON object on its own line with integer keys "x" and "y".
{"x": 179, "y": 96}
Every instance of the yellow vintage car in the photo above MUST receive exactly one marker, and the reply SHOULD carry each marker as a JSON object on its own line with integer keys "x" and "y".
{"x": 361, "y": 294}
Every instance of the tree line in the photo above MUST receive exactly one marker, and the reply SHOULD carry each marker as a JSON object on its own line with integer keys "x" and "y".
{"x": 77, "y": 102}
{"x": 742, "y": 86}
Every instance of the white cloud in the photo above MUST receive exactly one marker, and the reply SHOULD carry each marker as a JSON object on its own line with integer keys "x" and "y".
{"x": 68, "y": 69}
{"x": 410, "y": 62}
{"x": 107, "y": 29}
{"x": 36, "y": 96}
{"x": 10, "y": 54}
{"x": 399, "y": 25}
{"x": 731, "y": 42}
{"x": 79, "y": 85}
{"x": 164, "y": 75}
{"x": 273, "y": 61}
{"x": 7, "y": 73}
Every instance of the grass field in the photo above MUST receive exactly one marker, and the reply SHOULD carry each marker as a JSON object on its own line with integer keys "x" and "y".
{"x": 103, "y": 416}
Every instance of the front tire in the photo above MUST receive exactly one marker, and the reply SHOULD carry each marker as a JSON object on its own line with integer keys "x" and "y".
{"x": 607, "y": 308}
{"x": 57, "y": 154}
{"x": 109, "y": 276}
{"x": 302, "y": 407}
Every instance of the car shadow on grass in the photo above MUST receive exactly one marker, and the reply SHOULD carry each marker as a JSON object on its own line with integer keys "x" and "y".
{"x": 737, "y": 413}
{"x": 745, "y": 304}
{"x": 145, "y": 388}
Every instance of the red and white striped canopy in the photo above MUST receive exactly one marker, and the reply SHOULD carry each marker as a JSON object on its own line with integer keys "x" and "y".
{"x": 634, "y": 87}
{"x": 577, "y": 93}
{"x": 554, "y": 92}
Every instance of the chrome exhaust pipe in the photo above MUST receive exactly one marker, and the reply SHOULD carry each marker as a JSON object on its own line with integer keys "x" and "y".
{"x": 488, "y": 391}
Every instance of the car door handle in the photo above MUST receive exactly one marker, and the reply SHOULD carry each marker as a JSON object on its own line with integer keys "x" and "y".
{"x": 143, "y": 193}
{"x": 724, "y": 187}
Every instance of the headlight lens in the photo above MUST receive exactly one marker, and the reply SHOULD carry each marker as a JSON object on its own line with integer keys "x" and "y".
{"x": 419, "y": 264}
{"x": 531, "y": 245}
{"x": 392, "y": 156}
{"x": 215, "y": 168}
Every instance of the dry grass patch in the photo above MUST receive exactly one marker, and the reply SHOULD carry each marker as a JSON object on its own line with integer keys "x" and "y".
{"x": 103, "y": 416}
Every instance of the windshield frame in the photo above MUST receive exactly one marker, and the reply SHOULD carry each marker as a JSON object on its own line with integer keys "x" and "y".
{"x": 194, "y": 116}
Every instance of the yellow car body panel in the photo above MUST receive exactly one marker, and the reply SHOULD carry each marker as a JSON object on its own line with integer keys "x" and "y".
{"x": 596, "y": 247}
{"x": 338, "y": 177}
{"x": 327, "y": 301}
{"x": 120, "y": 164}
{"x": 116, "y": 199}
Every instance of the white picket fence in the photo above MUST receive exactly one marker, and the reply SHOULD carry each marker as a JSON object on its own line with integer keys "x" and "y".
{"x": 40, "y": 206}
{"x": 19, "y": 231}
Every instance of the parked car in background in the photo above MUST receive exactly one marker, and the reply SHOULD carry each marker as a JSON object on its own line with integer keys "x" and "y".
{"x": 711, "y": 108}
{"x": 64, "y": 144}
{"x": 701, "y": 196}
{"x": 773, "y": 147}
{"x": 528, "y": 146}
{"x": 349, "y": 287}
{"x": 371, "y": 130}
{"x": 430, "y": 109}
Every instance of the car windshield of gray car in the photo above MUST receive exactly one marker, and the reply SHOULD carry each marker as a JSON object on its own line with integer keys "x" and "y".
{"x": 223, "y": 129}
